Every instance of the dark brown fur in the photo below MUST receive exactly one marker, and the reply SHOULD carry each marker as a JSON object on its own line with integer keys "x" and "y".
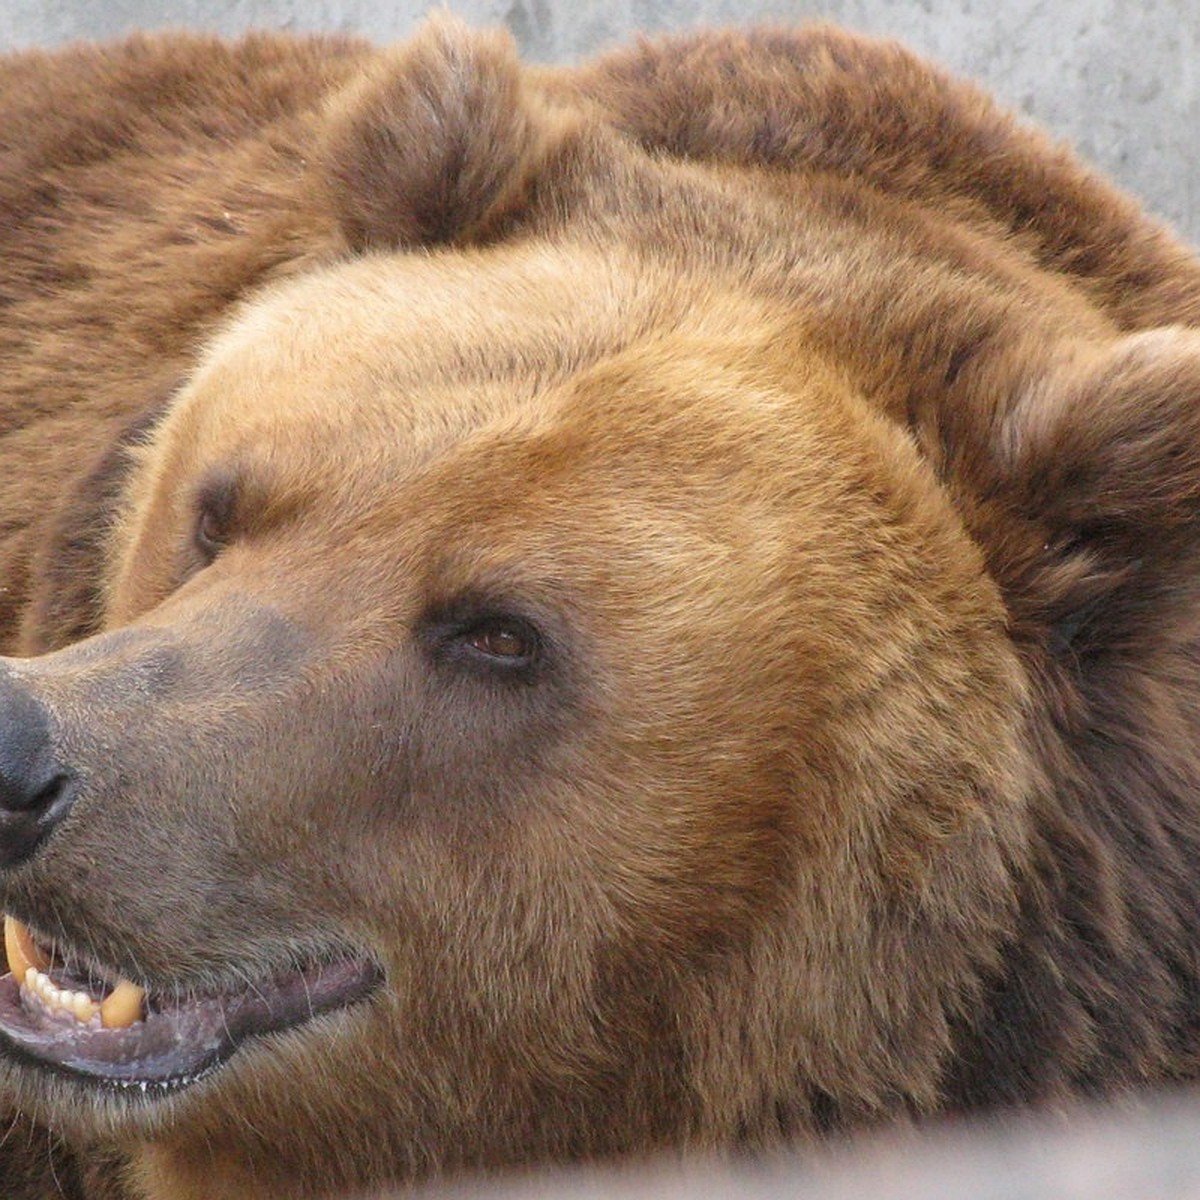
{"x": 839, "y": 435}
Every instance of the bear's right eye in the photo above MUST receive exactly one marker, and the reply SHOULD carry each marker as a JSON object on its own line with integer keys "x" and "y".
{"x": 210, "y": 538}
{"x": 215, "y": 506}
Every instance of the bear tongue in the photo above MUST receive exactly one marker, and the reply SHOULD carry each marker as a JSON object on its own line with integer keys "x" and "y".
{"x": 29, "y": 966}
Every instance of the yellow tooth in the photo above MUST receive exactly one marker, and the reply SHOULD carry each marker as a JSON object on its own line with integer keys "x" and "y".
{"x": 83, "y": 1006}
{"x": 21, "y": 949}
{"x": 120, "y": 1010}
{"x": 123, "y": 1006}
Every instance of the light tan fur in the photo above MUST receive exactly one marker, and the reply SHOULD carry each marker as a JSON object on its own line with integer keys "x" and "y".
{"x": 850, "y": 493}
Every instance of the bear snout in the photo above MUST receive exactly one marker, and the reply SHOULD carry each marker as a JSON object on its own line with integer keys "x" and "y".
{"x": 84, "y": 726}
{"x": 36, "y": 790}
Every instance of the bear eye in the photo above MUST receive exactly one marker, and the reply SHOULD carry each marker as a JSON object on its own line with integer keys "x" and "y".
{"x": 485, "y": 639}
{"x": 215, "y": 506}
{"x": 507, "y": 643}
{"x": 210, "y": 536}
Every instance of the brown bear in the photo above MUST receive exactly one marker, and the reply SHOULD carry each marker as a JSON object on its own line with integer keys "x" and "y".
{"x": 560, "y": 612}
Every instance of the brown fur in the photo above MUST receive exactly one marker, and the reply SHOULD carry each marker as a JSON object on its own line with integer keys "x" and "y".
{"x": 837, "y": 436}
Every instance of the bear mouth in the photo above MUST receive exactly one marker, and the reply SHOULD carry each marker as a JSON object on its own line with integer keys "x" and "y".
{"x": 77, "y": 1020}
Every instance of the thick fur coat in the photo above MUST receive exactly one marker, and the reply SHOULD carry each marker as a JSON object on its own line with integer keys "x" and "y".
{"x": 644, "y": 606}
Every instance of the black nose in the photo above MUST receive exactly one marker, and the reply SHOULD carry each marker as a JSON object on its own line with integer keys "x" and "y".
{"x": 36, "y": 792}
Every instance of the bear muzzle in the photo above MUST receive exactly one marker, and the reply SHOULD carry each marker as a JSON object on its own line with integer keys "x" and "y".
{"x": 67, "y": 721}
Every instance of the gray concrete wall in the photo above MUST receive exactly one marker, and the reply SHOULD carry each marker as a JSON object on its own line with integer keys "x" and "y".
{"x": 1118, "y": 78}
{"x": 1150, "y": 1151}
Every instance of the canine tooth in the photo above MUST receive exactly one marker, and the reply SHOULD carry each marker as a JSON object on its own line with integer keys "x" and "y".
{"x": 29, "y": 965}
{"x": 21, "y": 950}
{"x": 123, "y": 1007}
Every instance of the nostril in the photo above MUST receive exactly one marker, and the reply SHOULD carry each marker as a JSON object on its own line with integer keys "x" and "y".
{"x": 52, "y": 794}
{"x": 28, "y": 815}
{"x": 29, "y": 786}
{"x": 35, "y": 791}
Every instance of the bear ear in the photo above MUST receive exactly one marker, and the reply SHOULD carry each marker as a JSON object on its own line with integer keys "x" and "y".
{"x": 1101, "y": 460}
{"x": 436, "y": 142}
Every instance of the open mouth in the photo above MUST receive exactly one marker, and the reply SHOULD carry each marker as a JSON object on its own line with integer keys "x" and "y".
{"x": 66, "y": 1017}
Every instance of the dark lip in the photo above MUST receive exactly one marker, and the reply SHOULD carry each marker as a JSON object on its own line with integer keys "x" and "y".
{"x": 180, "y": 1042}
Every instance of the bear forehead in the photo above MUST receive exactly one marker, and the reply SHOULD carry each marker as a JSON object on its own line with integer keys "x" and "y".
{"x": 393, "y": 360}
{"x": 537, "y": 404}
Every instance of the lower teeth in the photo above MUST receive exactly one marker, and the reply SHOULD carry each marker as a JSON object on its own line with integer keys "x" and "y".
{"x": 120, "y": 1009}
{"x": 79, "y": 1005}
